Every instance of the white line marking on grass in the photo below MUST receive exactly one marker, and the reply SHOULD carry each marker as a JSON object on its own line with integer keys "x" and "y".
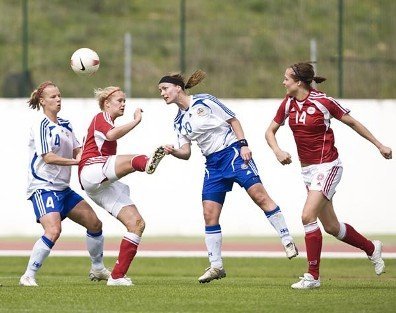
{"x": 188, "y": 254}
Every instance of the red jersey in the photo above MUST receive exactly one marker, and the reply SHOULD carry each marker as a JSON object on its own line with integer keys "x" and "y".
{"x": 96, "y": 147}
{"x": 309, "y": 121}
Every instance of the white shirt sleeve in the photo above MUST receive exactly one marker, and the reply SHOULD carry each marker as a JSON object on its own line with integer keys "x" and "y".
{"x": 41, "y": 135}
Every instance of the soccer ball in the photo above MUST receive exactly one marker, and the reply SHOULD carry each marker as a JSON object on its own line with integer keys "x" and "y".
{"x": 84, "y": 61}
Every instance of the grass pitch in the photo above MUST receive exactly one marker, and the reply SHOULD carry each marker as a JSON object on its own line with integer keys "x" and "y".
{"x": 170, "y": 285}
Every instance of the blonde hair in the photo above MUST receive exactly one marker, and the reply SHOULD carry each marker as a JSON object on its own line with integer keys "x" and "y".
{"x": 34, "y": 100}
{"x": 103, "y": 94}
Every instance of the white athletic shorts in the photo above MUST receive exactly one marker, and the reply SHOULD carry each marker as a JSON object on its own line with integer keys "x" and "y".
{"x": 101, "y": 184}
{"x": 323, "y": 177}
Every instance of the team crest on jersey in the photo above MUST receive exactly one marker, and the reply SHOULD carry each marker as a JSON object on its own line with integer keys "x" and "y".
{"x": 311, "y": 110}
{"x": 200, "y": 112}
{"x": 244, "y": 166}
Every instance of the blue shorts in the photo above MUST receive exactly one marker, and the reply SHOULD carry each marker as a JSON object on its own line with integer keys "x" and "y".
{"x": 223, "y": 169}
{"x": 46, "y": 201}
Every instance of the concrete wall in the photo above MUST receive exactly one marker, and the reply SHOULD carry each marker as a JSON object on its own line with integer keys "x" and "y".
{"x": 169, "y": 200}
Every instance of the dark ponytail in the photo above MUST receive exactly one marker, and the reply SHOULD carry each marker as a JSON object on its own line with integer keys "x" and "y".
{"x": 305, "y": 73}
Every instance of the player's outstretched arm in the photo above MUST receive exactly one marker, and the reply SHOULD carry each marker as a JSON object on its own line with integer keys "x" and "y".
{"x": 184, "y": 152}
{"x": 362, "y": 130}
{"x": 120, "y": 131}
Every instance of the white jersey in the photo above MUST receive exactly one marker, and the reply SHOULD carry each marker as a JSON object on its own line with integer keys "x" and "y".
{"x": 47, "y": 136}
{"x": 205, "y": 121}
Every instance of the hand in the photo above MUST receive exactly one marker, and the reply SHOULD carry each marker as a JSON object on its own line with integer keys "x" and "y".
{"x": 138, "y": 115}
{"x": 386, "y": 152}
{"x": 78, "y": 157}
{"x": 169, "y": 149}
{"x": 246, "y": 154}
{"x": 283, "y": 157}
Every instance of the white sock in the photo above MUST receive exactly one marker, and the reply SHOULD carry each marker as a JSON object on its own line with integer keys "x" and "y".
{"x": 135, "y": 239}
{"x": 342, "y": 233}
{"x": 213, "y": 240}
{"x": 40, "y": 252}
{"x": 277, "y": 220}
{"x": 95, "y": 248}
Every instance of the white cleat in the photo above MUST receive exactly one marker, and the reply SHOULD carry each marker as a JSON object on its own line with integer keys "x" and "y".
{"x": 97, "y": 275}
{"x": 291, "y": 250}
{"x": 153, "y": 162}
{"x": 28, "y": 281}
{"x": 123, "y": 281}
{"x": 376, "y": 258}
{"x": 212, "y": 273}
{"x": 307, "y": 282}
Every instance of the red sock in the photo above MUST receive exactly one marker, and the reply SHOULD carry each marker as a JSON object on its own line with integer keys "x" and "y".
{"x": 127, "y": 252}
{"x": 313, "y": 243}
{"x": 139, "y": 162}
{"x": 353, "y": 238}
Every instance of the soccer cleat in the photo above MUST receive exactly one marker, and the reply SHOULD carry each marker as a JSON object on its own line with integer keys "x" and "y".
{"x": 212, "y": 273}
{"x": 291, "y": 250}
{"x": 307, "y": 282}
{"x": 123, "y": 281}
{"x": 27, "y": 281}
{"x": 97, "y": 275}
{"x": 153, "y": 162}
{"x": 376, "y": 258}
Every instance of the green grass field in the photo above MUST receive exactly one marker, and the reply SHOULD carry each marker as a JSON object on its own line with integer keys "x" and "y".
{"x": 170, "y": 285}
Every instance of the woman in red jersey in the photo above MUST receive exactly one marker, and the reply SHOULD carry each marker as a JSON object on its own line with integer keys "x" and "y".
{"x": 309, "y": 112}
{"x": 101, "y": 168}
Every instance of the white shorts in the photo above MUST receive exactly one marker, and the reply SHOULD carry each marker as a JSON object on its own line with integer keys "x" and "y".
{"x": 323, "y": 177}
{"x": 101, "y": 184}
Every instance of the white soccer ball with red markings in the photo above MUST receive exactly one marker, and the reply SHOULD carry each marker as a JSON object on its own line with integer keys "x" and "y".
{"x": 85, "y": 61}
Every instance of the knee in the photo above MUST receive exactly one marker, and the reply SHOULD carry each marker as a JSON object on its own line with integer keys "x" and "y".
{"x": 208, "y": 216}
{"x": 140, "y": 225}
{"x": 95, "y": 226}
{"x": 307, "y": 219}
{"x": 136, "y": 225}
{"x": 53, "y": 232}
{"x": 263, "y": 200}
{"x": 211, "y": 215}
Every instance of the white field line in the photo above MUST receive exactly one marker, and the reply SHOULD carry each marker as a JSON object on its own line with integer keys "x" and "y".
{"x": 187, "y": 254}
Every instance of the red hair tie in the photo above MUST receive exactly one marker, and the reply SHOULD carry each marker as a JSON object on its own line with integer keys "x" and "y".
{"x": 115, "y": 90}
{"x": 42, "y": 87}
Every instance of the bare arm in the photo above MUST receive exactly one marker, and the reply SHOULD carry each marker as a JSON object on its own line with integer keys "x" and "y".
{"x": 184, "y": 152}
{"x": 52, "y": 158}
{"x": 282, "y": 156}
{"x": 365, "y": 133}
{"x": 120, "y": 131}
{"x": 246, "y": 153}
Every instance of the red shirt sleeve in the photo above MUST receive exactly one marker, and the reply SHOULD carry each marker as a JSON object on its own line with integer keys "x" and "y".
{"x": 103, "y": 123}
{"x": 335, "y": 109}
{"x": 283, "y": 112}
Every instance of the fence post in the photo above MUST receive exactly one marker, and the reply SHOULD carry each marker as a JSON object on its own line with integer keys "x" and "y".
{"x": 314, "y": 57}
{"x": 127, "y": 64}
{"x": 182, "y": 35}
{"x": 25, "y": 66}
{"x": 340, "y": 48}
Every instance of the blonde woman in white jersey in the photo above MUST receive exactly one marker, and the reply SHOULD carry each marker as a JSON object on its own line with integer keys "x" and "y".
{"x": 53, "y": 149}
{"x": 219, "y": 135}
